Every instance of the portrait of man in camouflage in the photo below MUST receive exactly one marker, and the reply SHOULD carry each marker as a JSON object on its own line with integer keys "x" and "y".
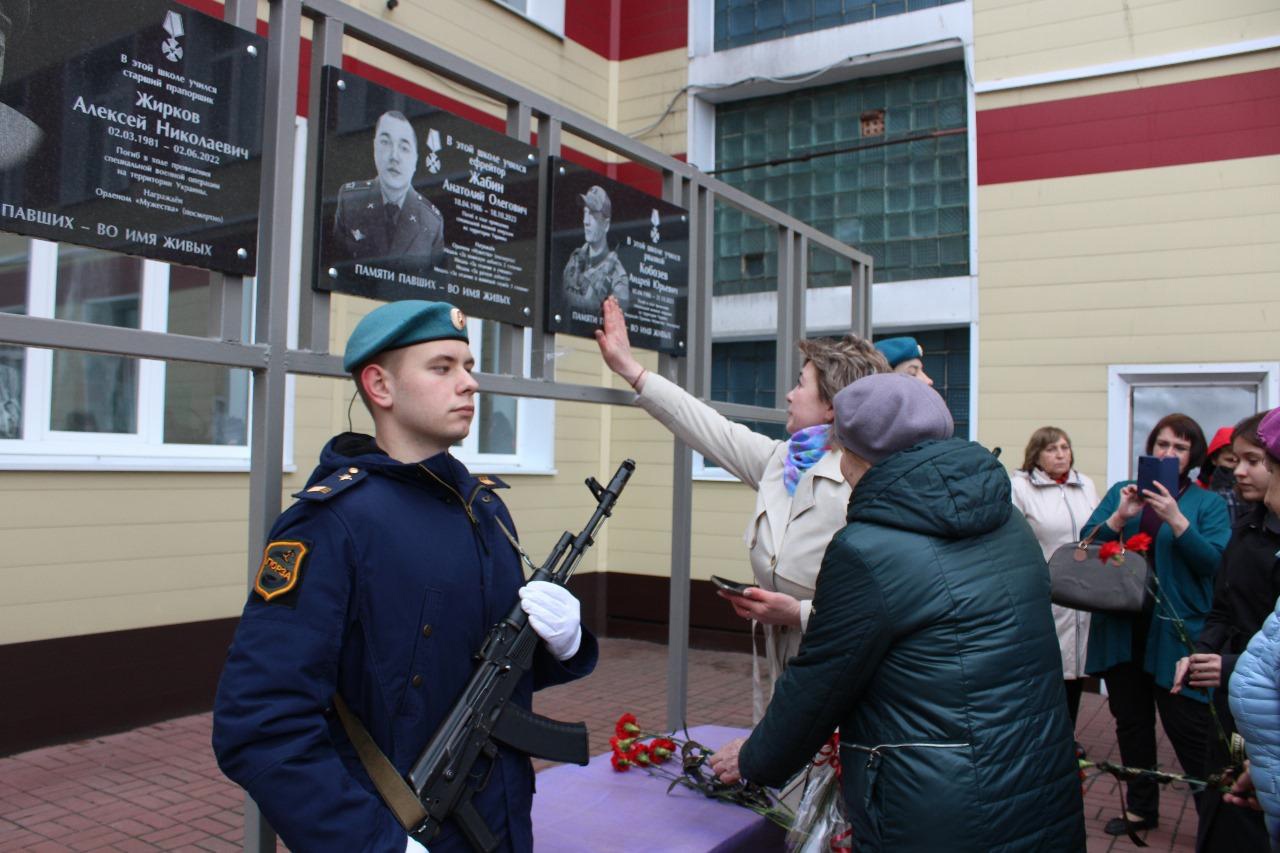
{"x": 594, "y": 271}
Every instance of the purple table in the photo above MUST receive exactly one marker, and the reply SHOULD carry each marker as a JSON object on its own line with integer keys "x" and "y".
{"x": 596, "y": 808}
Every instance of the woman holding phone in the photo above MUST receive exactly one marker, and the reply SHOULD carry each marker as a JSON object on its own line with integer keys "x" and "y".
{"x": 801, "y": 497}
{"x": 1136, "y": 655}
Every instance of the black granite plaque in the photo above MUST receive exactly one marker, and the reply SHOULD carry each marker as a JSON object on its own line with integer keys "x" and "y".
{"x": 418, "y": 203}
{"x": 609, "y": 239}
{"x": 134, "y": 126}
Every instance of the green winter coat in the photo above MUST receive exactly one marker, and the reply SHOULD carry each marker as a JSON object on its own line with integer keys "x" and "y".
{"x": 931, "y": 645}
{"x": 1185, "y": 566}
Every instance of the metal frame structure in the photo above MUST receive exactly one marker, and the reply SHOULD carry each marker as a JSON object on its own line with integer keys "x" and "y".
{"x": 269, "y": 358}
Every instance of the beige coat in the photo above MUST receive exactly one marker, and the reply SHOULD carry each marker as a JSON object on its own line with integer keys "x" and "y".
{"x": 1055, "y": 513}
{"x": 787, "y": 535}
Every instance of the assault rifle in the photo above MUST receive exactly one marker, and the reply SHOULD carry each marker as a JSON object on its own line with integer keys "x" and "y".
{"x": 482, "y": 717}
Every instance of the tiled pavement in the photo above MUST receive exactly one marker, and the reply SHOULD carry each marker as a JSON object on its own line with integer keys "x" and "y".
{"x": 157, "y": 788}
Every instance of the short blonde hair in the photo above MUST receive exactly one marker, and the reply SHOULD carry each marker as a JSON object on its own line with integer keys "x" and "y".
{"x": 842, "y": 362}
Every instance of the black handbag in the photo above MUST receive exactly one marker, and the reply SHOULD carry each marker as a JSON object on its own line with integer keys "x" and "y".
{"x": 1079, "y": 580}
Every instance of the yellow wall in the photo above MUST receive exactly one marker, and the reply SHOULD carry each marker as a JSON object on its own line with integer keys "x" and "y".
{"x": 1012, "y": 39}
{"x": 1176, "y": 264}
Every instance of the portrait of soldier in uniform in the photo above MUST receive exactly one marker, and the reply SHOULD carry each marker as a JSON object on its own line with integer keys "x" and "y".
{"x": 594, "y": 271}
{"x": 19, "y": 135}
{"x": 385, "y": 218}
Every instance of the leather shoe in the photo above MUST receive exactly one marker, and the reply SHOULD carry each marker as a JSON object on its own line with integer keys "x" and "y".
{"x": 1119, "y": 826}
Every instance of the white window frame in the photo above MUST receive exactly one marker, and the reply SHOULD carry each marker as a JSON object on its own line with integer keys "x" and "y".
{"x": 45, "y": 449}
{"x": 547, "y": 14}
{"x": 1121, "y": 378}
{"x": 535, "y": 425}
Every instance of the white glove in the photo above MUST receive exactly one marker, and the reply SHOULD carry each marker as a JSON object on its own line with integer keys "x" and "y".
{"x": 555, "y": 616}
{"x": 414, "y": 847}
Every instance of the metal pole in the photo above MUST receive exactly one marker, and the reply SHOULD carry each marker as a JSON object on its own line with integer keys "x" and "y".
{"x": 266, "y": 453}
{"x": 681, "y": 522}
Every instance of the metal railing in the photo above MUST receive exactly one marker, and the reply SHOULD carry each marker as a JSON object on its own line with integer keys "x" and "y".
{"x": 270, "y": 359}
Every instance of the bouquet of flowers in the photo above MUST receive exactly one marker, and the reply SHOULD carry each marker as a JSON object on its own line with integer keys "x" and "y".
{"x": 634, "y": 747}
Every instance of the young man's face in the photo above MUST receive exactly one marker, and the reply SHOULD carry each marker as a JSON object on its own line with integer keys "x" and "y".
{"x": 593, "y": 227}
{"x": 432, "y": 392}
{"x": 395, "y": 154}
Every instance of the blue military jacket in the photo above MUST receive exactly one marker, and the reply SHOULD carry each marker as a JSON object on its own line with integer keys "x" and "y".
{"x": 380, "y": 583}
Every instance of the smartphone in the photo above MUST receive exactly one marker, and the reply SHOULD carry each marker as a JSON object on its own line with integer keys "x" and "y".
{"x": 731, "y": 587}
{"x": 1153, "y": 469}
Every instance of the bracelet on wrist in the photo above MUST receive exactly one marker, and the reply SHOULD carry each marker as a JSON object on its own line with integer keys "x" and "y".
{"x": 636, "y": 382}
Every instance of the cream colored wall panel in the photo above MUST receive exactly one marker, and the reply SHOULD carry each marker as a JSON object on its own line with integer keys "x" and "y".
{"x": 1037, "y": 37}
{"x": 29, "y": 622}
{"x": 1163, "y": 76}
{"x": 1225, "y": 233}
{"x": 1230, "y": 292}
{"x": 39, "y": 509}
{"x": 202, "y": 568}
{"x": 1191, "y": 205}
{"x": 95, "y": 541}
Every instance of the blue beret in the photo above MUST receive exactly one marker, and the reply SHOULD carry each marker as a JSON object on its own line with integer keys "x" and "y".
{"x": 400, "y": 324}
{"x": 898, "y": 350}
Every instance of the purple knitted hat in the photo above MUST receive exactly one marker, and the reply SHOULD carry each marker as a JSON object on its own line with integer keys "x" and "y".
{"x": 879, "y": 415}
{"x": 1269, "y": 433}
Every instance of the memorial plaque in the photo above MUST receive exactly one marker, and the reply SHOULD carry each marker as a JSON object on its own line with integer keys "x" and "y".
{"x": 418, "y": 203}
{"x": 609, "y": 239}
{"x": 133, "y": 126}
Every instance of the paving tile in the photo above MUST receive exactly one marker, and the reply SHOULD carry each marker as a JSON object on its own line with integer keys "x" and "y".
{"x": 158, "y": 787}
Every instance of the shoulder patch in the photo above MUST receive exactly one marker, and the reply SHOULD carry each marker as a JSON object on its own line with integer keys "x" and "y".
{"x": 333, "y": 485}
{"x": 281, "y": 568}
{"x": 491, "y": 482}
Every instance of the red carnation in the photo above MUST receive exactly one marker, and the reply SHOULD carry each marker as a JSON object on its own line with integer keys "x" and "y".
{"x": 1110, "y": 550}
{"x": 621, "y": 744}
{"x": 639, "y": 754}
{"x": 661, "y": 749}
{"x": 620, "y": 762}
{"x": 626, "y": 725}
{"x": 1138, "y": 542}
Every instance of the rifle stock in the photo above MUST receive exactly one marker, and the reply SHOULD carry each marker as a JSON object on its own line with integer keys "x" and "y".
{"x": 482, "y": 716}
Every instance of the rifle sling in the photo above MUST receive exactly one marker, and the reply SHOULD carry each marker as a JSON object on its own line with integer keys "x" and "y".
{"x": 395, "y": 792}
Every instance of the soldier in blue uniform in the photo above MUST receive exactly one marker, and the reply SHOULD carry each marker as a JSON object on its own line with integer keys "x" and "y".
{"x": 385, "y": 219}
{"x": 379, "y": 585}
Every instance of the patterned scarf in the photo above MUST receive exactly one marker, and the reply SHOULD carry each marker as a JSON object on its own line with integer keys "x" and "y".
{"x": 805, "y": 448}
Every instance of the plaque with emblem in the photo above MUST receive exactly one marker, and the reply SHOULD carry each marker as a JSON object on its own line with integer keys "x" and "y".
{"x": 612, "y": 239}
{"x": 419, "y": 203}
{"x": 133, "y": 126}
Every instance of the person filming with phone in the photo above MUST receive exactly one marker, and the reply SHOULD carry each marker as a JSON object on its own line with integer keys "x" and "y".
{"x": 1136, "y": 654}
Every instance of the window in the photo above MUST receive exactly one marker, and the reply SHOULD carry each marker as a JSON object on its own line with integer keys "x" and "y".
{"x": 510, "y": 435}
{"x": 742, "y": 22}
{"x": 1215, "y": 395}
{"x": 548, "y": 14}
{"x": 75, "y": 410}
{"x": 742, "y": 372}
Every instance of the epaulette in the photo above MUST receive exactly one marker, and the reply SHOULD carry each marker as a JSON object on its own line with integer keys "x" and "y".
{"x": 357, "y": 185}
{"x": 333, "y": 485}
{"x": 490, "y": 482}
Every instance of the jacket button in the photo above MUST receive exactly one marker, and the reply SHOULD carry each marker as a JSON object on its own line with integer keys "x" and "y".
{"x": 773, "y": 562}
{"x": 416, "y": 681}
{"x": 426, "y": 630}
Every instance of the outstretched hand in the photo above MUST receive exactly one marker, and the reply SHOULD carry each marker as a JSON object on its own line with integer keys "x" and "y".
{"x": 615, "y": 345}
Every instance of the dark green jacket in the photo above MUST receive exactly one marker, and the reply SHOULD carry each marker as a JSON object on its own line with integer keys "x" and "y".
{"x": 1185, "y": 566}
{"x": 931, "y": 645}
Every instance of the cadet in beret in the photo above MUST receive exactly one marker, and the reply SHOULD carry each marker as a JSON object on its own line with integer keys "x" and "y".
{"x": 19, "y": 135}
{"x": 905, "y": 356}
{"x": 379, "y": 585}
{"x": 385, "y": 219}
{"x": 594, "y": 272}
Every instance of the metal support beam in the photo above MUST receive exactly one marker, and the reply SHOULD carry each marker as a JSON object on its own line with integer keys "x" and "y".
{"x": 266, "y": 445}
{"x": 313, "y": 305}
{"x": 541, "y": 357}
{"x": 791, "y": 285}
{"x": 117, "y": 340}
{"x": 673, "y": 190}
